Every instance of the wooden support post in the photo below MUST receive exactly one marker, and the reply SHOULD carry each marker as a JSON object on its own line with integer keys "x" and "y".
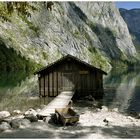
{"x": 57, "y": 82}
{"x": 44, "y": 86}
{"x": 48, "y": 86}
{"x": 61, "y": 77}
{"x": 39, "y": 86}
{"x": 53, "y": 83}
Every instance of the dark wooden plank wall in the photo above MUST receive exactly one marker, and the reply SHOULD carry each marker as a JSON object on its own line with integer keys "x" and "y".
{"x": 41, "y": 86}
{"x": 46, "y": 85}
{"x": 52, "y": 83}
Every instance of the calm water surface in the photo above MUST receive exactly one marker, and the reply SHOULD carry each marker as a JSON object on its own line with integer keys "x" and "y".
{"x": 19, "y": 91}
{"x": 122, "y": 90}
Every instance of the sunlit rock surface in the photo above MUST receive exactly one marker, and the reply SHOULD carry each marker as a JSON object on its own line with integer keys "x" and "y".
{"x": 93, "y": 31}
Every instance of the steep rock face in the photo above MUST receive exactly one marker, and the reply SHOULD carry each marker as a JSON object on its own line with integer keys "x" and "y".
{"x": 93, "y": 31}
{"x": 107, "y": 17}
{"x": 132, "y": 19}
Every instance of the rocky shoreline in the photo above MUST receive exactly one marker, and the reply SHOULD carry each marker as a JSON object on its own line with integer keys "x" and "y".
{"x": 17, "y": 119}
{"x": 94, "y": 123}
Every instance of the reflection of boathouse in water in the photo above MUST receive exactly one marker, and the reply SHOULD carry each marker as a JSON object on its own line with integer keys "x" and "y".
{"x": 70, "y": 74}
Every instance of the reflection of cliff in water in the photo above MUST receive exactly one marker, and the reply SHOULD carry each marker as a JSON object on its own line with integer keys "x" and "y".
{"x": 121, "y": 89}
{"x": 19, "y": 91}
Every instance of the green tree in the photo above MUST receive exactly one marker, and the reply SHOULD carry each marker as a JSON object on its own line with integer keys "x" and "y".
{"x": 22, "y": 8}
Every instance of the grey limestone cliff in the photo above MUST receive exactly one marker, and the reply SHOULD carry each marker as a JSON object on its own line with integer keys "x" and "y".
{"x": 93, "y": 31}
{"x": 132, "y": 19}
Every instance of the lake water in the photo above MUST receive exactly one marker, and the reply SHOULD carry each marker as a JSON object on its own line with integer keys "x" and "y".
{"x": 20, "y": 91}
{"x": 122, "y": 90}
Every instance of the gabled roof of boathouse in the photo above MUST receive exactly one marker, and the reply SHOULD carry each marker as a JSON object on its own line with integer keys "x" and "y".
{"x": 57, "y": 62}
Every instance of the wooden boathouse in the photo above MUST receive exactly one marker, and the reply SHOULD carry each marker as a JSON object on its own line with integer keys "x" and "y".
{"x": 70, "y": 74}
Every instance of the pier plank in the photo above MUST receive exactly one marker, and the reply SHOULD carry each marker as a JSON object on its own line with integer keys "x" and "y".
{"x": 61, "y": 101}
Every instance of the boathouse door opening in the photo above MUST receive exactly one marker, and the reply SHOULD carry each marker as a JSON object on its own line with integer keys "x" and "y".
{"x": 67, "y": 82}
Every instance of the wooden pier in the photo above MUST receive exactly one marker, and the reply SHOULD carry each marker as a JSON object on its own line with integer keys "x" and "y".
{"x": 61, "y": 101}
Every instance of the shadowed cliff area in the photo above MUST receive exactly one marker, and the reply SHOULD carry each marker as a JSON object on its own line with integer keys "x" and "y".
{"x": 132, "y": 19}
{"x": 11, "y": 61}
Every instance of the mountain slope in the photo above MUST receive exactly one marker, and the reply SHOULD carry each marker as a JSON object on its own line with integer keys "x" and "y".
{"x": 92, "y": 31}
{"x": 132, "y": 19}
